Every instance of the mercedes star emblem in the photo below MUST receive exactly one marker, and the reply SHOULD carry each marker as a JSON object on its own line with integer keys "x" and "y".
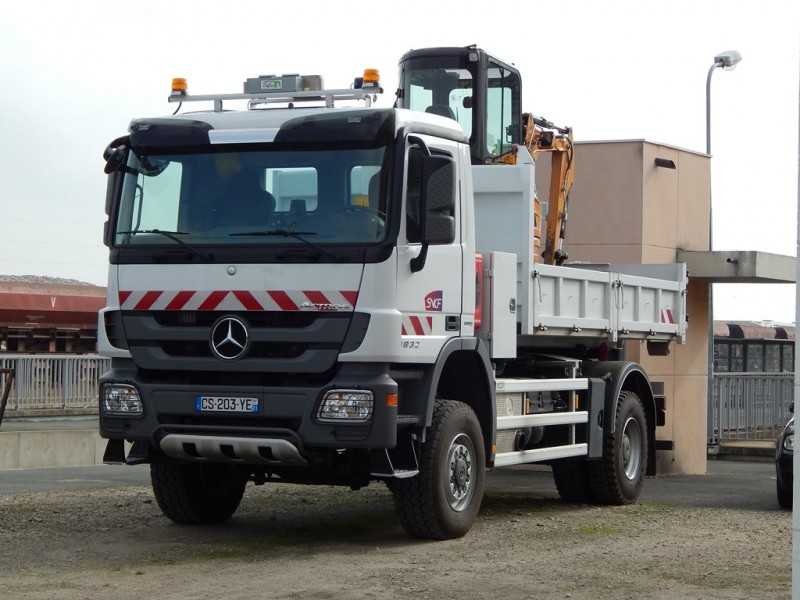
{"x": 229, "y": 338}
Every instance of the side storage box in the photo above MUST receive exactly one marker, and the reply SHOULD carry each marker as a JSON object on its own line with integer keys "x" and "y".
{"x": 500, "y": 303}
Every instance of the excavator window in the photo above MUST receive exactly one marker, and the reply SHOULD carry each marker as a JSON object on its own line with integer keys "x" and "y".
{"x": 502, "y": 110}
{"x": 483, "y": 93}
{"x": 442, "y": 89}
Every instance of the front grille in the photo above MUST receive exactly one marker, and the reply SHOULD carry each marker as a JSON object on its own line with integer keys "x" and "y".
{"x": 288, "y": 342}
{"x": 172, "y": 318}
{"x": 257, "y": 350}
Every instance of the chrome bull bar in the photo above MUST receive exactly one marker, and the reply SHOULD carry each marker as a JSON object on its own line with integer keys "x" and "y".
{"x": 245, "y": 450}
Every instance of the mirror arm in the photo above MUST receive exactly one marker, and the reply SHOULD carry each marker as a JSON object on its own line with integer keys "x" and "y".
{"x": 418, "y": 262}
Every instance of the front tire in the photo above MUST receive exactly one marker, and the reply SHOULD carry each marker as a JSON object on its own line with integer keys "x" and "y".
{"x": 197, "y": 493}
{"x": 618, "y": 476}
{"x": 442, "y": 501}
{"x": 784, "y": 495}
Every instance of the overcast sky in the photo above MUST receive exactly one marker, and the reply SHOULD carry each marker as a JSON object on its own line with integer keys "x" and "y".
{"x": 75, "y": 73}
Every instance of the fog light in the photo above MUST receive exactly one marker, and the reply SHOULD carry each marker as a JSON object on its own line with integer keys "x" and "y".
{"x": 352, "y": 406}
{"x": 121, "y": 400}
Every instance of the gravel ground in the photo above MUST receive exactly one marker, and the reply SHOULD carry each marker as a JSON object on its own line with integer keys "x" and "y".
{"x": 290, "y": 541}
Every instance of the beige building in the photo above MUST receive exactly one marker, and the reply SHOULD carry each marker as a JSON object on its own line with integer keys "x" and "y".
{"x": 639, "y": 202}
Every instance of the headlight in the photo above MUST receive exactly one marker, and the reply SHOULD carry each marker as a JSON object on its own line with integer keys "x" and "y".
{"x": 788, "y": 442}
{"x": 352, "y": 406}
{"x": 121, "y": 400}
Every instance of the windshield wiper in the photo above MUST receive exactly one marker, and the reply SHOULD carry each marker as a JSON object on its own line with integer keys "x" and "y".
{"x": 290, "y": 233}
{"x": 173, "y": 235}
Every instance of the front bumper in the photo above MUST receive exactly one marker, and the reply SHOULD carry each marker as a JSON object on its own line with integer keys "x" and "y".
{"x": 284, "y": 430}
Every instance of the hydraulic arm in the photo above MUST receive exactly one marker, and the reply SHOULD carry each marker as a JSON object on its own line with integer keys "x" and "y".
{"x": 542, "y": 136}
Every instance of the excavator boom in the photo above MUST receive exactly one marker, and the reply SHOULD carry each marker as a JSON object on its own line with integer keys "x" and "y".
{"x": 542, "y": 137}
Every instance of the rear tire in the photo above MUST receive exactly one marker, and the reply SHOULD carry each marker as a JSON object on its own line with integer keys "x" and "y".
{"x": 572, "y": 480}
{"x": 618, "y": 476}
{"x": 197, "y": 493}
{"x": 442, "y": 501}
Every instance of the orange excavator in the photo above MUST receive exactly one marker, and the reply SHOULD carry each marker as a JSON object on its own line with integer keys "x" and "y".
{"x": 541, "y": 137}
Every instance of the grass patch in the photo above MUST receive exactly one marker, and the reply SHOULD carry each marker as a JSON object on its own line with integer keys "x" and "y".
{"x": 598, "y": 530}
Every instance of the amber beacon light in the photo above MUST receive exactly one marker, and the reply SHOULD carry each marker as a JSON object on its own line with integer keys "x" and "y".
{"x": 179, "y": 85}
{"x": 371, "y": 78}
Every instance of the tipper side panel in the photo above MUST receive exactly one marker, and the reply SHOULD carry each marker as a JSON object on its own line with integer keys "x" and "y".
{"x": 576, "y": 301}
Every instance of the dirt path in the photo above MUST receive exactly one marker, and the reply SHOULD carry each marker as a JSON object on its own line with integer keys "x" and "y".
{"x": 302, "y": 542}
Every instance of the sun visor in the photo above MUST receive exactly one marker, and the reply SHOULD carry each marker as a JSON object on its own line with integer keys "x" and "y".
{"x": 372, "y": 127}
{"x": 168, "y": 133}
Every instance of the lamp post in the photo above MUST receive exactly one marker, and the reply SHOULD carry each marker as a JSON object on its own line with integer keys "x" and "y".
{"x": 726, "y": 61}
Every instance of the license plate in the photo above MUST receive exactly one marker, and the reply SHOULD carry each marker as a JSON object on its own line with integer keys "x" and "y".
{"x": 225, "y": 404}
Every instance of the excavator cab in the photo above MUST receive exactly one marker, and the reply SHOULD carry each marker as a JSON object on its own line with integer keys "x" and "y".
{"x": 479, "y": 91}
{"x": 484, "y": 95}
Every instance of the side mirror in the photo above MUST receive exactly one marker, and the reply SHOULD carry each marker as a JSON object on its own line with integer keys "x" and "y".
{"x": 115, "y": 161}
{"x": 116, "y": 157}
{"x": 437, "y": 204}
{"x": 116, "y": 154}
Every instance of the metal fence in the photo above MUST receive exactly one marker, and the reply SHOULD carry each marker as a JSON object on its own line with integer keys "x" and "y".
{"x": 52, "y": 382}
{"x": 749, "y": 406}
{"x": 746, "y": 406}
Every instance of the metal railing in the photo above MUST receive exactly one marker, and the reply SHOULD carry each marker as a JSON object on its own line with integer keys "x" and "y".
{"x": 749, "y": 406}
{"x": 7, "y": 376}
{"x": 746, "y": 406}
{"x": 51, "y": 382}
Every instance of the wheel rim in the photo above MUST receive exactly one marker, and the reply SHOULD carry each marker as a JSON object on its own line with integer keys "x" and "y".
{"x": 632, "y": 445}
{"x": 459, "y": 476}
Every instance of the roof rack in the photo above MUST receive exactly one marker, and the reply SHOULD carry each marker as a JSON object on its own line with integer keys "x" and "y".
{"x": 329, "y": 97}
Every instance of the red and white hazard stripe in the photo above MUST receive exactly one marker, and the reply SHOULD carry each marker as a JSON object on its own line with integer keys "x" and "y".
{"x": 413, "y": 325}
{"x": 666, "y": 316}
{"x": 240, "y": 300}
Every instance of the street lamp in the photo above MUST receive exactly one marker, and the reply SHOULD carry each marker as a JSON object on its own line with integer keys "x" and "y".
{"x": 726, "y": 61}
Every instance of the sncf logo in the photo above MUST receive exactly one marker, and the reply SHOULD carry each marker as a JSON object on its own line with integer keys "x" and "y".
{"x": 433, "y": 301}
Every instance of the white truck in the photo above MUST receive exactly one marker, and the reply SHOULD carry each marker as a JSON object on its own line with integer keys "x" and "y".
{"x": 391, "y": 322}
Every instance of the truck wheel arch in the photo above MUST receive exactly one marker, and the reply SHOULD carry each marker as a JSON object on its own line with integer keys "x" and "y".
{"x": 463, "y": 372}
{"x": 623, "y": 376}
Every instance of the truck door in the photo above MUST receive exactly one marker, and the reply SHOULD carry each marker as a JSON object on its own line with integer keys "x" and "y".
{"x": 430, "y": 298}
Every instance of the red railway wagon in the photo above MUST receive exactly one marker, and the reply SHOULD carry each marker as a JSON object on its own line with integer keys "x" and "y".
{"x": 48, "y": 315}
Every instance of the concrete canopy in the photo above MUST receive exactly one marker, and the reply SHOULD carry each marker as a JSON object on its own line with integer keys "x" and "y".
{"x": 739, "y": 266}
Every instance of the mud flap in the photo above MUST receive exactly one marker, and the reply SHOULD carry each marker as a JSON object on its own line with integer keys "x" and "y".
{"x": 594, "y": 428}
{"x": 115, "y": 453}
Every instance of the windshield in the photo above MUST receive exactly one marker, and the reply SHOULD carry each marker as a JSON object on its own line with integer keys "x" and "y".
{"x": 259, "y": 197}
